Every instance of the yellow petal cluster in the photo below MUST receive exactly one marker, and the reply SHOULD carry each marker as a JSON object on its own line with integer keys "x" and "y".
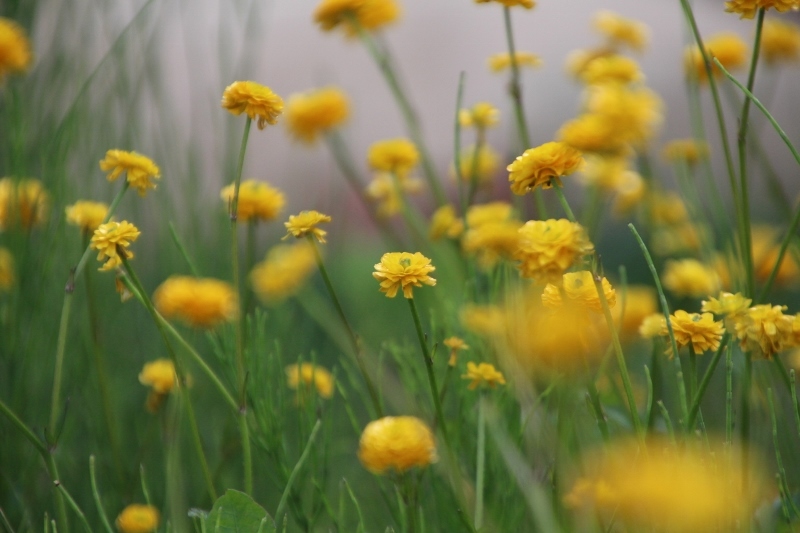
{"x": 484, "y": 320}
{"x": 481, "y": 116}
{"x": 310, "y": 375}
{"x": 7, "y": 276}
{"x": 112, "y": 239}
{"x": 305, "y": 223}
{"x": 747, "y": 8}
{"x": 543, "y": 165}
{"x": 159, "y": 375}
{"x": 137, "y": 518}
{"x": 369, "y": 15}
{"x": 611, "y": 68}
{"x": 483, "y": 374}
{"x": 397, "y": 156}
{"x": 388, "y": 192}
{"x": 403, "y": 270}
{"x": 690, "y": 278}
{"x": 24, "y": 202}
{"x": 256, "y": 101}
{"x": 726, "y": 304}
{"x": 483, "y": 165}
{"x": 780, "y": 42}
{"x": 284, "y": 270}
{"x": 636, "y": 303}
{"x": 688, "y": 151}
{"x": 632, "y": 112}
{"x": 727, "y": 47}
{"x": 258, "y": 201}
{"x": 764, "y": 330}
{"x": 699, "y": 331}
{"x": 580, "y": 289}
{"x": 492, "y": 233}
{"x": 547, "y": 248}
{"x": 139, "y": 169}
{"x": 653, "y": 325}
{"x": 502, "y": 61}
{"x": 311, "y": 114}
{"x": 396, "y": 443}
{"x": 766, "y": 249}
{"x": 619, "y": 30}
{"x": 198, "y": 302}
{"x": 608, "y": 172}
{"x": 86, "y": 214}
{"x": 527, "y": 4}
{"x": 592, "y": 132}
{"x": 445, "y": 223}
{"x": 15, "y": 48}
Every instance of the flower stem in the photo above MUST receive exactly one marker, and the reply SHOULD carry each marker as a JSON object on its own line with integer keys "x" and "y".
{"x": 296, "y": 470}
{"x": 98, "y": 502}
{"x": 426, "y": 355}
{"x": 701, "y": 389}
{"x": 744, "y": 428}
{"x": 480, "y": 463}
{"x": 563, "y": 200}
{"x": 462, "y": 198}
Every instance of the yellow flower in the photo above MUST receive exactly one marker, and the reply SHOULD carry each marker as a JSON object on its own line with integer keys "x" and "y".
{"x": 483, "y": 374}
{"x": 580, "y": 288}
{"x": 543, "y": 165}
{"x": 283, "y": 271}
{"x": 549, "y": 247}
{"x": 159, "y": 375}
{"x": 138, "y": 518}
{"x": 630, "y": 192}
{"x": 310, "y": 375}
{"x": 387, "y": 192}
{"x": 727, "y": 47}
{"x": 527, "y": 4}
{"x": 6, "y": 270}
{"x": 112, "y": 239}
{"x": 86, "y": 215}
{"x": 455, "y": 344}
{"x": 24, "y": 201}
{"x": 689, "y": 151}
{"x": 653, "y": 325}
{"x": 491, "y": 241}
{"x": 747, "y": 8}
{"x": 484, "y": 166}
{"x": 198, "y": 302}
{"x": 696, "y": 330}
{"x": 502, "y": 61}
{"x": 633, "y": 113}
{"x": 480, "y": 214}
{"x": 592, "y": 132}
{"x": 403, "y": 270}
{"x": 140, "y": 169}
{"x": 764, "y": 330}
{"x": 622, "y": 31}
{"x": 368, "y": 14}
{"x": 765, "y": 253}
{"x": 727, "y": 304}
{"x": 667, "y": 207}
{"x": 483, "y": 115}
{"x": 445, "y": 223}
{"x": 690, "y": 278}
{"x": 305, "y": 223}
{"x": 611, "y": 68}
{"x": 606, "y": 171}
{"x": 397, "y": 156}
{"x": 486, "y": 320}
{"x": 637, "y": 303}
{"x": 398, "y": 443}
{"x": 578, "y": 60}
{"x": 257, "y": 200}
{"x": 15, "y": 48}
{"x": 255, "y": 100}
{"x": 314, "y": 113}
{"x": 780, "y": 42}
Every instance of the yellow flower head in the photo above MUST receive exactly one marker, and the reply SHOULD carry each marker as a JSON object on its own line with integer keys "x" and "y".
{"x": 253, "y": 99}
{"x": 159, "y": 375}
{"x": 112, "y": 239}
{"x": 542, "y": 165}
{"x": 283, "y": 272}
{"x": 630, "y": 192}
{"x": 483, "y": 166}
{"x": 140, "y": 170}
{"x": 23, "y": 201}
{"x": 486, "y": 320}
{"x": 780, "y": 42}
{"x": 6, "y": 270}
{"x": 727, "y": 304}
{"x": 483, "y": 374}
{"x": 455, "y": 344}
{"x": 690, "y": 278}
{"x": 305, "y": 223}
{"x": 764, "y": 330}
{"x": 15, "y": 49}
{"x": 580, "y": 288}
{"x": 368, "y": 14}
{"x": 619, "y": 30}
{"x": 257, "y": 200}
{"x": 547, "y": 248}
{"x": 527, "y": 4}
{"x": 138, "y": 518}
{"x": 637, "y": 303}
{"x": 766, "y": 250}
{"x": 607, "y": 172}
{"x": 688, "y": 151}
{"x": 198, "y": 302}
{"x": 445, "y": 223}
{"x": 389, "y": 195}
{"x": 403, "y": 270}
{"x": 632, "y": 112}
{"x": 311, "y": 114}
{"x": 668, "y": 208}
{"x": 480, "y": 214}
{"x": 611, "y": 68}
{"x": 696, "y": 330}
{"x": 86, "y": 215}
{"x": 310, "y": 375}
{"x": 592, "y": 132}
{"x": 398, "y": 443}
{"x": 727, "y": 47}
{"x": 578, "y": 60}
{"x": 483, "y": 115}
{"x": 747, "y": 8}
{"x": 397, "y": 156}
{"x": 491, "y": 240}
{"x": 653, "y": 325}
{"x": 502, "y": 61}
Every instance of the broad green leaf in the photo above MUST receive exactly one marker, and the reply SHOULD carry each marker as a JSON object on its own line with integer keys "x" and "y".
{"x": 236, "y": 512}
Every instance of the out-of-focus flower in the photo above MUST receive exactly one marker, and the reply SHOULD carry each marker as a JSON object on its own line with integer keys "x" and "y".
{"x": 780, "y": 42}
{"x": 764, "y": 330}
{"x": 455, "y": 344}
{"x": 86, "y": 214}
{"x": 747, "y": 8}
{"x": 256, "y": 101}
{"x": 397, "y": 156}
{"x": 397, "y": 443}
{"x": 678, "y": 239}
{"x": 502, "y": 61}
{"x": 199, "y": 302}
{"x": 491, "y": 241}
{"x": 579, "y": 288}
{"x": 727, "y": 47}
{"x": 484, "y": 166}
{"x": 482, "y": 115}
{"x": 635, "y": 304}
{"x": 578, "y": 60}
{"x": 619, "y": 30}
{"x": 667, "y": 208}
{"x": 140, "y": 169}
{"x": 15, "y": 48}
{"x": 592, "y": 132}
{"x": 543, "y": 165}
{"x": 486, "y": 320}
{"x": 483, "y": 374}
{"x": 690, "y": 278}
{"x": 766, "y": 249}
{"x": 6, "y": 270}
{"x": 605, "y": 171}
{"x": 699, "y": 331}
{"x": 687, "y": 151}
{"x": 159, "y": 375}
{"x": 445, "y": 223}
{"x": 403, "y": 270}
{"x": 305, "y": 223}
{"x": 527, "y": 4}
{"x": 388, "y": 192}
{"x": 137, "y": 518}
{"x": 480, "y": 214}
{"x": 630, "y": 192}
{"x": 633, "y": 112}
{"x": 24, "y": 202}
{"x": 112, "y": 239}
{"x": 311, "y": 114}
{"x": 653, "y": 325}
{"x": 283, "y": 272}
{"x": 726, "y": 304}
{"x": 258, "y": 201}
{"x": 611, "y": 68}
{"x": 369, "y": 15}
{"x": 547, "y": 248}
{"x": 311, "y": 376}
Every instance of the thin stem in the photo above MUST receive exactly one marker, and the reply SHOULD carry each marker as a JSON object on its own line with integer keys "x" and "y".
{"x": 296, "y": 470}
{"x": 563, "y": 200}
{"x": 597, "y": 406}
{"x": 61, "y": 506}
{"x": 73, "y": 504}
{"x": 247, "y": 460}
{"x": 701, "y": 389}
{"x": 26, "y": 432}
{"x": 96, "y": 494}
{"x": 462, "y": 198}
{"x": 182, "y": 249}
{"x": 744, "y": 428}
{"x": 729, "y": 395}
{"x": 480, "y": 463}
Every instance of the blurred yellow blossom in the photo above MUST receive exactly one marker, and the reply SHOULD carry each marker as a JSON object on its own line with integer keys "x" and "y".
{"x": 310, "y": 375}
{"x": 314, "y": 113}
{"x": 766, "y": 248}
{"x": 667, "y": 207}
{"x": 633, "y": 112}
{"x": 397, "y": 443}
{"x": 455, "y": 344}
{"x": 283, "y": 271}
{"x": 780, "y": 42}
{"x": 388, "y": 192}
{"x": 547, "y": 248}
{"x": 305, "y": 223}
{"x": 727, "y": 47}
{"x": 580, "y": 288}
{"x": 578, "y": 60}
{"x": 159, "y": 375}
{"x": 198, "y": 302}
{"x": 630, "y": 192}
{"x": 484, "y": 166}
{"x": 592, "y": 132}
{"x": 257, "y": 101}
{"x": 445, "y": 223}
{"x": 764, "y": 330}
{"x": 611, "y": 68}
{"x": 747, "y": 8}
{"x": 619, "y": 30}
{"x": 502, "y": 61}
{"x": 403, "y": 270}
{"x": 491, "y": 240}
{"x": 112, "y": 239}
{"x": 605, "y": 171}
{"x": 635, "y": 304}
{"x": 258, "y": 201}
{"x": 690, "y": 278}
{"x": 15, "y": 48}
{"x": 137, "y": 518}
{"x": 86, "y": 214}
{"x": 368, "y": 14}
{"x": 688, "y": 151}
{"x": 24, "y": 202}
{"x": 483, "y": 374}
{"x": 6, "y": 270}
{"x": 653, "y": 325}
{"x": 699, "y": 331}
{"x": 481, "y": 116}
{"x": 486, "y": 320}
{"x": 726, "y": 304}
{"x": 543, "y": 165}
{"x": 397, "y": 156}
{"x": 480, "y": 214}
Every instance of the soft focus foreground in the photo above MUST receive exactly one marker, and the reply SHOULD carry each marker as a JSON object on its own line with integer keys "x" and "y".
{"x": 596, "y": 332}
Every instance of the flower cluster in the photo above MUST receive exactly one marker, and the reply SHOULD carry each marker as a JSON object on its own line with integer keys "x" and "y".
{"x": 396, "y": 156}
{"x": 137, "y": 518}
{"x": 353, "y": 15}
{"x": 699, "y": 331}
{"x": 483, "y": 374}
{"x": 747, "y": 8}
{"x": 160, "y": 376}
{"x": 780, "y": 42}
{"x": 502, "y": 61}
{"x": 579, "y": 288}
{"x": 492, "y": 233}
{"x": 305, "y": 223}
{"x": 199, "y": 302}
{"x": 388, "y": 191}
{"x": 140, "y": 170}
{"x": 398, "y": 443}
{"x": 481, "y": 116}
{"x": 727, "y": 47}
{"x": 306, "y": 375}
{"x": 690, "y": 278}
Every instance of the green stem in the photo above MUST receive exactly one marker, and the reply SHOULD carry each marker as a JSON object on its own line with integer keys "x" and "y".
{"x": 295, "y": 471}
{"x": 744, "y": 428}
{"x": 597, "y": 406}
{"x": 480, "y": 463}
{"x": 247, "y": 461}
{"x": 96, "y": 495}
{"x": 462, "y": 198}
{"x": 563, "y": 200}
{"x": 61, "y": 506}
{"x": 473, "y": 170}
{"x": 701, "y": 389}
{"x": 73, "y": 504}
{"x": 182, "y": 249}
{"x": 729, "y": 395}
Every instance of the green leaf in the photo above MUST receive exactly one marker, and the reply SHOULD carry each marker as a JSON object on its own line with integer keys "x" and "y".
{"x": 236, "y": 512}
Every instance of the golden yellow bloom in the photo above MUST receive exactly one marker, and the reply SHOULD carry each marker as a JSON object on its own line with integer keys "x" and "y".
{"x": 198, "y": 302}
{"x": 23, "y": 201}
{"x": 257, "y": 200}
{"x": 606, "y": 171}
{"x": 543, "y": 165}
{"x": 484, "y": 166}
{"x": 690, "y": 278}
{"x": 483, "y": 374}
{"x": 138, "y": 518}
{"x": 766, "y": 248}
{"x": 140, "y": 170}
{"x": 653, "y": 325}
{"x": 112, "y": 239}
{"x": 637, "y": 303}
{"x": 159, "y": 375}
{"x": 727, "y": 304}
{"x": 388, "y": 192}
{"x": 486, "y": 320}
{"x": 578, "y": 60}
{"x": 403, "y": 270}
{"x": 397, "y": 156}
{"x": 747, "y": 8}
{"x": 483, "y": 115}
{"x": 314, "y": 113}
{"x": 368, "y": 14}
{"x": 727, "y": 47}
{"x": 86, "y": 215}
{"x": 622, "y": 31}
{"x": 592, "y": 132}
{"x": 305, "y": 223}
{"x": 455, "y": 344}
{"x": 630, "y": 192}
{"x": 310, "y": 375}
{"x": 547, "y": 248}
{"x": 6, "y": 270}
{"x": 480, "y": 214}
{"x": 668, "y": 208}
{"x": 502, "y": 61}
{"x": 283, "y": 271}
{"x": 15, "y": 48}
{"x": 696, "y": 330}
{"x": 611, "y": 68}
{"x": 253, "y": 99}
{"x": 580, "y": 288}
{"x": 633, "y": 112}
{"x": 689, "y": 151}
{"x": 445, "y": 223}
{"x": 492, "y": 232}
{"x": 764, "y": 330}
{"x": 398, "y": 443}
{"x": 527, "y": 4}
{"x": 780, "y": 42}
